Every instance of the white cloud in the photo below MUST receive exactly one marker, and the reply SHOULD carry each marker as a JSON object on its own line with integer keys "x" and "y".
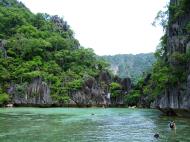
{"x": 108, "y": 26}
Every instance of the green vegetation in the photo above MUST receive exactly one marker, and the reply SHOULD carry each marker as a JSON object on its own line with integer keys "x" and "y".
{"x": 44, "y": 47}
{"x": 169, "y": 70}
{"x": 4, "y": 97}
{"x": 140, "y": 94}
{"x": 41, "y": 46}
{"x": 133, "y": 98}
{"x": 179, "y": 10}
{"x": 132, "y": 66}
{"x": 164, "y": 73}
{"x": 115, "y": 89}
{"x": 171, "y": 13}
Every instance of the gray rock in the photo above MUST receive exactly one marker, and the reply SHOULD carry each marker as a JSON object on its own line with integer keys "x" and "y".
{"x": 94, "y": 92}
{"x": 36, "y": 93}
{"x": 176, "y": 99}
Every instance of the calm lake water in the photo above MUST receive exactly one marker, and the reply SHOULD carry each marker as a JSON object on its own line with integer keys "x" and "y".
{"x": 79, "y": 125}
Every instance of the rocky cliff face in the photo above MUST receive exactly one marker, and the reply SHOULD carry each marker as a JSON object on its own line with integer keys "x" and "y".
{"x": 42, "y": 63}
{"x": 37, "y": 93}
{"x": 176, "y": 99}
{"x": 95, "y": 92}
{"x": 126, "y": 87}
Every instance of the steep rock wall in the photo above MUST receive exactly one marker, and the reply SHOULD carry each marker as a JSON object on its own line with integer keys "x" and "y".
{"x": 176, "y": 99}
{"x": 36, "y": 93}
{"x": 95, "y": 92}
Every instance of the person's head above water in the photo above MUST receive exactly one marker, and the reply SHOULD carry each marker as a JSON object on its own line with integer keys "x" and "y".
{"x": 172, "y": 124}
{"x": 156, "y": 135}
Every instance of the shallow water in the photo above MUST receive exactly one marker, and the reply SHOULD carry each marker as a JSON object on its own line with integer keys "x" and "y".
{"x": 79, "y": 125}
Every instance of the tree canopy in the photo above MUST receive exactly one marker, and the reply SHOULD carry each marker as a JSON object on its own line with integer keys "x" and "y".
{"x": 41, "y": 46}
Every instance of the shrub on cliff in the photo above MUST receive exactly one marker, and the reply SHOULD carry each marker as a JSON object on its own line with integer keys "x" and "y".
{"x": 4, "y": 98}
{"x": 42, "y": 46}
{"x": 133, "y": 98}
{"x": 115, "y": 89}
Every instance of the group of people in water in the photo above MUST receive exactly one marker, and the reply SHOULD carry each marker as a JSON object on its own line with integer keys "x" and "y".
{"x": 172, "y": 126}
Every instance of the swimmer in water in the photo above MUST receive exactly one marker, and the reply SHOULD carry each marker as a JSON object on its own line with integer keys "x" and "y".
{"x": 172, "y": 125}
{"x": 156, "y": 135}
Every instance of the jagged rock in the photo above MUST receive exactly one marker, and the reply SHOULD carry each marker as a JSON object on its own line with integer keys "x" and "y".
{"x": 176, "y": 99}
{"x": 95, "y": 92}
{"x": 126, "y": 87}
{"x": 105, "y": 77}
{"x": 61, "y": 25}
{"x": 36, "y": 93}
{"x": 126, "y": 84}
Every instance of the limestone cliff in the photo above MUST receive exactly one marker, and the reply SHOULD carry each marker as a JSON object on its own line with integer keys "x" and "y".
{"x": 95, "y": 92}
{"x": 43, "y": 64}
{"x": 176, "y": 98}
{"x": 36, "y": 93}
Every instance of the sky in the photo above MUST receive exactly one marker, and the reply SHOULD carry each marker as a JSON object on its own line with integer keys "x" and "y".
{"x": 108, "y": 26}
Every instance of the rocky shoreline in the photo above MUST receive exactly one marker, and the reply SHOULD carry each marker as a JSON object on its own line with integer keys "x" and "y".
{"x": 95, "y": 92}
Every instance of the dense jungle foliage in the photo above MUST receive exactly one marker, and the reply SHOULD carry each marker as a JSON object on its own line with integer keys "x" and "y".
{"x": 41, "y": 46}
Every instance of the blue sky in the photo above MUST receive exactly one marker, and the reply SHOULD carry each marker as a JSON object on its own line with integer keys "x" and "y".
{"x": 108, "y": 26}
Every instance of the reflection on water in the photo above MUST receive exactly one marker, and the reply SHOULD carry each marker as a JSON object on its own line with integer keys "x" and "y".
{"x": 79, "y": 125}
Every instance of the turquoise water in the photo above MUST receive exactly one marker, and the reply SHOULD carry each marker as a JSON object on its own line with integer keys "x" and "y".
{"x": 79, "y": 125}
